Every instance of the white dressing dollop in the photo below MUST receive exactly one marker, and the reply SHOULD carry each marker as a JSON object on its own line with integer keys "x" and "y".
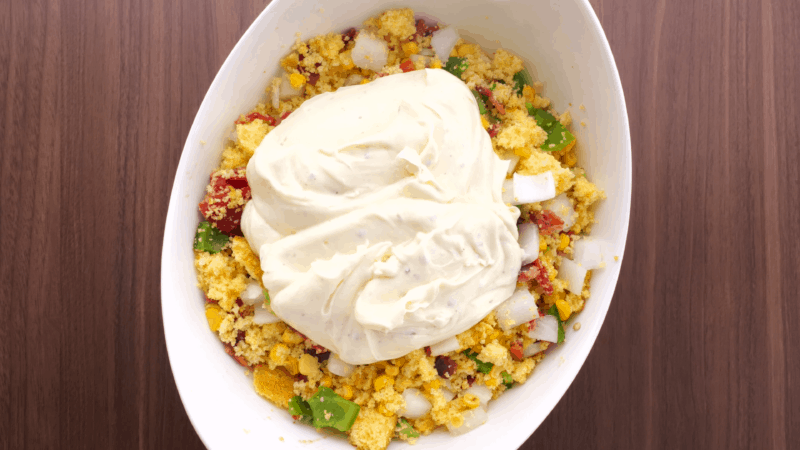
{"x": 377, "y": 213}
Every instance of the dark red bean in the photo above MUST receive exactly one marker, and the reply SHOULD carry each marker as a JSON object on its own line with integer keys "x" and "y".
{"x": 445, "y": 366}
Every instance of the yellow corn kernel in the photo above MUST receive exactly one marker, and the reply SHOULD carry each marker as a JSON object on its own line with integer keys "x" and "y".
{"x": 564, "y": 310}
{"x": 491, "y": 382}
{"x": 564, "y": 243}
{"x": 346, "y": 392}
{"x": 411, "y": 48}
{"x": 542, "y": 245}
{"x": 528, "y": 93}
{"x": 290, "y": 337}
{"x": 484, "y": 123}
{"x": 493, "y": 335}
{"x": 382, "y": 409}
{"x": 436, "y": 64}
{"x": 326, "y": 381}
{"x": 523, "y": 152}
{"x": 308, "y": 365}
{"x": 551, "y": 275}
{"x": 215, "y": 315}
{"x": 383, "y": 381}
{"x": 279, "y": 353}
{"x": 471, "y": 401}
{"x": 435, "y": 384}
{"x": 292, "y": 366}
{"x": 297, "y": 80}
{"x": 570, "y": 159}
{"x": 392, "y": 371}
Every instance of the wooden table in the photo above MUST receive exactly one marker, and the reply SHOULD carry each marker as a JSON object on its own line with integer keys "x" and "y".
{"x": 700, "y": 346}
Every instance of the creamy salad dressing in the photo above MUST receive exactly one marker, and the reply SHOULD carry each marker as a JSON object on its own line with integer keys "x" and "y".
{"x": 377, "y": 213}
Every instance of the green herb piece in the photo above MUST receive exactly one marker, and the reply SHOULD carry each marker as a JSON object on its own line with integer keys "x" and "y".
{"x": 331, "y": 410}
{"x": 507, "y": 380}
{"x": 553, "y": 311}
{"x": 558, "y": 137}
{"x": 209, "y": 239}
{"x": 456, "y": 65}
{"x": 300, "y": 410}
{"x": 481, "y": 104}
{"x": 405, "y": 429}
{"x": 483, "y": 367}
{"x": 521, "y": 79}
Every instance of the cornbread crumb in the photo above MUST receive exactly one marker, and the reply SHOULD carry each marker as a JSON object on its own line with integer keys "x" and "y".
{"x": 372, "y": 430}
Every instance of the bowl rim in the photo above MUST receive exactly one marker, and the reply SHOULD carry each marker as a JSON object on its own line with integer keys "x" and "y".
{"x": 184, "y": 162}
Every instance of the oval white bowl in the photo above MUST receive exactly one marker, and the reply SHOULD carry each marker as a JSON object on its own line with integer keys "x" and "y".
{"x": 564, "y": 47}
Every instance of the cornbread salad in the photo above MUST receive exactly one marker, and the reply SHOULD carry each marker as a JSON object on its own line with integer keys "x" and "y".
{"x": 397, "y": 234}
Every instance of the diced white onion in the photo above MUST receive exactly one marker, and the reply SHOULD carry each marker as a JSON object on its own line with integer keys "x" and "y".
{"x": 370, "y": 52}
{"x": 443, "y": 42}
{"x": 287, "y": 90}
{"x": 426, "y": 52}
{"x": 512, "y": 164}
{"x": 447, "y": 394}
{"x": 276, "y": 94}
{"x": 262, "y": 316}
{"x": 416, "y": 404}
{"x": 523, "y": 189}
{"x": 529, "y": 242}
{"x": 589, "y": 253}
{"x": 562, "y": 207}
{"x": 353, "y": 79}
{"x": 446, "y": 346}
{"x": 338, "y": 367}
{"x": 574, "y": 274}
{"x": 518, "y": 309}
{"x": 252, "y": 293}
{"x": 545, "y": 329}
{"x": 473, "y": 418}
{"x": 482, "y": 392}
{"x": 535, "y": 348}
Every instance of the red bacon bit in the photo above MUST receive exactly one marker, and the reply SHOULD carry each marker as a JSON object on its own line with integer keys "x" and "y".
{"x": 313, "y": 78}
{"x": 423, "y": 30}
{"x": 285, "y": 115}
{"x": 536, "y": 272}
{"x": 248, "y": 310}
{"x": 497, "y": 105}
{"x": 493, "y": 130}
{"x": 209, "y": 300}
{"x": 240, "y": 336}
{"x": 516, "y": 350}
{"x": 528, "y": 273}
{"x": 381, "y": 74}
{"x": 542, "y": 278}
{"x": 548, "y": 222}
{"x": 407, "y": 66}
{"x": 427, "y": 351}
{"x": 240, "y": 359}
{"x": 349, "y": 35}
{"x": 445, "y": 366}
{"x": 300, "y": 377}
{"x": 256, "y": 115}
{"x": 470, "y": 380}
{"x": 214, "y": 206}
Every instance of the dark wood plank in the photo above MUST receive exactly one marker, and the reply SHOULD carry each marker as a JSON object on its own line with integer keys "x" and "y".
{"x": 97, "y": 99}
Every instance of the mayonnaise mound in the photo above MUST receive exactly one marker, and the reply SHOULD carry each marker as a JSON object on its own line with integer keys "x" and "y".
{"x": 377, "y": 214}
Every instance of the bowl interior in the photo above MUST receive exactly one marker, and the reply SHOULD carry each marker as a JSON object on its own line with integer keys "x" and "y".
{"x": 563, "y": 46}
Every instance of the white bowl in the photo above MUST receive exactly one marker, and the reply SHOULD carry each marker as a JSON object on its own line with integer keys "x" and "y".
{"x": 563, "y": 45}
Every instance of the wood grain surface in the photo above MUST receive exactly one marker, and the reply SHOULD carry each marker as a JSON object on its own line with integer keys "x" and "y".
{"x": 700, "y": 346}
